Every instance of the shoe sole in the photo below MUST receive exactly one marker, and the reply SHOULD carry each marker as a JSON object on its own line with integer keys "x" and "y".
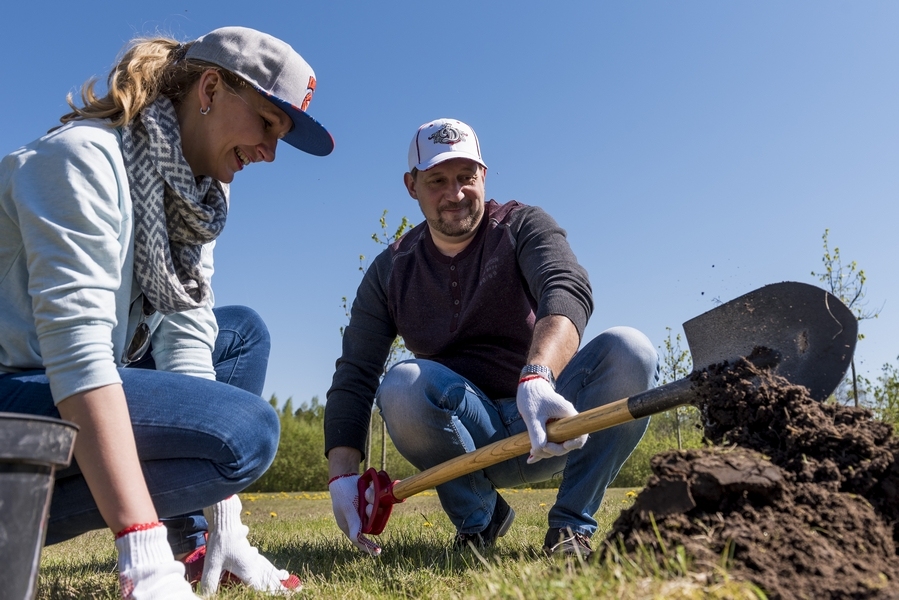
{"x": 507, "y": 523}
{"x": 566, "y": 549}
{"x": 503, "y": 529}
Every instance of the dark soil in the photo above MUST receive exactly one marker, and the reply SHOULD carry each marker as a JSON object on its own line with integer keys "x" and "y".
{"x": 797, "y": 496}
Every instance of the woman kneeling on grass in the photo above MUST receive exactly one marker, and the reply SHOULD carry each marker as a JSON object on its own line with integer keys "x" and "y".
{"x": 106, "y": 233}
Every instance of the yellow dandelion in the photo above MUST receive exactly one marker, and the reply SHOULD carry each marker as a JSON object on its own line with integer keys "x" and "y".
{"x": 248, "y": 513}
{"x": 631, "y": 494}
{"x": 543, "y": 504}
{"x": 273, "y": 514}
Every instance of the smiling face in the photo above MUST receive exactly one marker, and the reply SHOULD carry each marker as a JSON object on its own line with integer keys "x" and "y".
{"x": 241, "y": 127}
{"x": 451, "y": 197}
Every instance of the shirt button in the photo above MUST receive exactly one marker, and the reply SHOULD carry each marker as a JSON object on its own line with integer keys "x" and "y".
{"x": 455, "y": 314}
{"x": 456, "y": 302}
{"x": 452, "y": 267}
{"x": 455, "y": 284}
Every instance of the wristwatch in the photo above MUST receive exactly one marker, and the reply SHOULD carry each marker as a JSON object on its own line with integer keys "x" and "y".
{"x": 544, "y": 372}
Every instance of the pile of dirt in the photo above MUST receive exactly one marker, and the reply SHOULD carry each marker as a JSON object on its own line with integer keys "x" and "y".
{"x": 798, "y": 497}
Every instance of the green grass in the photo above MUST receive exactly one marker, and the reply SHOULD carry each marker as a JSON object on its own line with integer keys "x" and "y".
{"x": 297, "y": 531}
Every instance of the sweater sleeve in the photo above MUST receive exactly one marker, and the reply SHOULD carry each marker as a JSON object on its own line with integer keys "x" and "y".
{"x": 553, "y": 275}
{"x": 366, "y": 345}
{"x": 65, "y": 195}
{"x": 183, "y": 342}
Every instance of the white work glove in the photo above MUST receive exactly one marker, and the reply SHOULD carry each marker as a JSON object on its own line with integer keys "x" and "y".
{"x": 147, "y": 568}
{"x": 539, "y": 404}
{"x": 227, "y": 549}
{"x": 345, "y": 504}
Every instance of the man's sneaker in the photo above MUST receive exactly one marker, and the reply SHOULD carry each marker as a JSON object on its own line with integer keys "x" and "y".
{"x": 499, "y": 524}
{"x": 562, "y": 541}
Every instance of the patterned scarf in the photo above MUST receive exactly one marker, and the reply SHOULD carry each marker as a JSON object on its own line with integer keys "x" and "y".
{"x": 174, "y": 214}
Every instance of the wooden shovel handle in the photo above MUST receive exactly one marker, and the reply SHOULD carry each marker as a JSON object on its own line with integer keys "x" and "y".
{"x": 595, "y": 419}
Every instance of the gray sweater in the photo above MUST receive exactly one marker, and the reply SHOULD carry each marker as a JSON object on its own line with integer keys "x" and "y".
{"x": 474, "y": 312}
{"x": 66, "y": 267}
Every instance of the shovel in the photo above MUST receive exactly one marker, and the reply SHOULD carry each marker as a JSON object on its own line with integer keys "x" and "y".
{"x": 810, "y": 331}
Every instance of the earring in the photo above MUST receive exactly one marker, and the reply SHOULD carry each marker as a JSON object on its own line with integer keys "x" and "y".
{"x": 205, "y": 111}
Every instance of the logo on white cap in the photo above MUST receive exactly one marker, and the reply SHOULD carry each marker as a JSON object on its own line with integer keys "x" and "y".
{"x": 448, "y": 135}
{"x": 441, "y": 140}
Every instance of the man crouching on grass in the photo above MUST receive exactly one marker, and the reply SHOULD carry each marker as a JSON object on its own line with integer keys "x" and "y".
{"x": 492, "y": 303}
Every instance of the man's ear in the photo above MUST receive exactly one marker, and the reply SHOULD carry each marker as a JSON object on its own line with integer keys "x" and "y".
{"x": 409, "y": 182}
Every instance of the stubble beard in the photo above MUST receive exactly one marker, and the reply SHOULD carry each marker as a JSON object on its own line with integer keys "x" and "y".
{"x": 457, "y": 228}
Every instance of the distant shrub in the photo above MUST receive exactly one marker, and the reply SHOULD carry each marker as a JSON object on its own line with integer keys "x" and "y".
{"x": 395, "y": 465}
{"x": 661, "y": 436}
{"x": 300, "y": 464}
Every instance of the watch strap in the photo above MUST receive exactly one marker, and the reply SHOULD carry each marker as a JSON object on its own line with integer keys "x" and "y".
{"x": 540, "y": 371}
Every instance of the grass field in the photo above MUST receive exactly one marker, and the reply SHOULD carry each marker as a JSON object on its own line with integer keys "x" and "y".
{"x": 297, "y": 531}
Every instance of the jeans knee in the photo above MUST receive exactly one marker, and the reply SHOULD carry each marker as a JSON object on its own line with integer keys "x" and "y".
{"x": 398, "y": 386}
{"x": 261, "y": 454}
{"x": 633, "y": 352}
{"x": 247, "y": 323}
{"x": 414, "y": 390}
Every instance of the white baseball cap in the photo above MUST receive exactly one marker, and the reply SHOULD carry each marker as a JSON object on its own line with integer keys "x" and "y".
{"x": 276, "y": 71}
{"x": 443, "y": 139}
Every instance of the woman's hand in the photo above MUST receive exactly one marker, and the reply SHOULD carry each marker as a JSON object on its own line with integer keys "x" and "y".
{"x": 147, "y": 569}
{"x": 228, "y": 549}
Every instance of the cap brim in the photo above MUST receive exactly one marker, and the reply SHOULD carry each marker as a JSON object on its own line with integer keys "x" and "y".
{"x": 445, "y": 156}
{"x": 307, "y": 134}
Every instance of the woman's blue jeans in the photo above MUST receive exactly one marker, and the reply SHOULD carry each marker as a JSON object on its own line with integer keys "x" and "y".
{"x": 434, "y": 414}
{"x": 199, "y": 441}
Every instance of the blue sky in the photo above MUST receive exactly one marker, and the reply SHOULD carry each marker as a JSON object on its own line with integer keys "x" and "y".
{"x": 694, "y": 151}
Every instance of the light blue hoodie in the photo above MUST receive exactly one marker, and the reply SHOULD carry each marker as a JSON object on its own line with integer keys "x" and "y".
{"x": 68, "y": 300}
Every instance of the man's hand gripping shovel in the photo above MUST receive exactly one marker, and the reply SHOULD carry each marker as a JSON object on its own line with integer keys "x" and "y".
{"x": 376, "y": 500}
{"x": 809, "y": 335}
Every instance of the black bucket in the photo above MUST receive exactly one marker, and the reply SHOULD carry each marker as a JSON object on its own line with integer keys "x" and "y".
{"x": 31, "y": 449}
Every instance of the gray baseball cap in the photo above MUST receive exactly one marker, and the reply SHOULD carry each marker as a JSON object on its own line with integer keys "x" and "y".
{"x": 276, "y": 71}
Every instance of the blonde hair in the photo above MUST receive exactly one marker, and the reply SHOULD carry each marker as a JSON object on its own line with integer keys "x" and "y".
{"x": 150, "y": 67}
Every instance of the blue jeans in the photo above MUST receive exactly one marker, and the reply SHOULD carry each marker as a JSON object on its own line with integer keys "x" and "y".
{"x": 199, "y": 441}
{"x": 434, "y": 414}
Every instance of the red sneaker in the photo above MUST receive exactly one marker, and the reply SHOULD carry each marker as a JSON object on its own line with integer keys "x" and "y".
{"x": 292, "y": 583}
{"x": 193, "y": 568}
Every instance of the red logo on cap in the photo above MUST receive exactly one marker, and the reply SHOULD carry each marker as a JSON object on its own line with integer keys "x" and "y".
{"x": 310, "y": 89}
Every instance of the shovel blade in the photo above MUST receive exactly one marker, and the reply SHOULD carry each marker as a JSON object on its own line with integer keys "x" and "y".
{"x": 812, "y": 330}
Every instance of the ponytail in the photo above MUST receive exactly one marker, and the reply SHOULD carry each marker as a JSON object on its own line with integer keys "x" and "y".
{"x": 148, "y": 68}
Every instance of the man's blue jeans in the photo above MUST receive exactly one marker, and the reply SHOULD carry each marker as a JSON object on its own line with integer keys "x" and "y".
{"x": 199, "y": 441}
{"x": 434, "y": 414}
